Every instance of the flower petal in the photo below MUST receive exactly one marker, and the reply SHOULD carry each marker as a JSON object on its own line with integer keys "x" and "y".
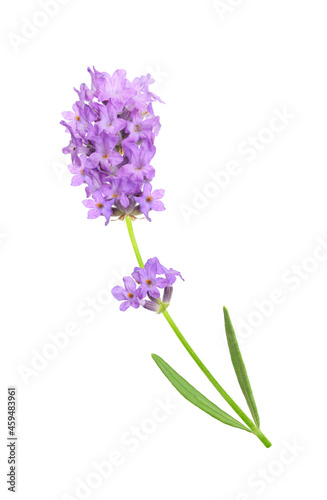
{"x": 119, "y": 293}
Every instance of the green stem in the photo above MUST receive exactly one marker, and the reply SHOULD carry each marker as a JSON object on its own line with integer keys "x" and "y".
{"x": 133, "y": 240}
{"x": 195, "y": 357}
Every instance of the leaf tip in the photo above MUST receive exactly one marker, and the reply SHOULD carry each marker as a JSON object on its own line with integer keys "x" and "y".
{"x": 156, "y": 358}
{"x": 226, "y": 314}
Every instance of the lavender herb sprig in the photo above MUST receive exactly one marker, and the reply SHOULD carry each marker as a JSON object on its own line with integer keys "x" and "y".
{"x": 112, "y": 131}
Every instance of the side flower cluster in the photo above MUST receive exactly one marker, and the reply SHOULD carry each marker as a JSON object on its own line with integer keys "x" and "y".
{"x": 113, "y": 128}
{"x": 147, "y": 282}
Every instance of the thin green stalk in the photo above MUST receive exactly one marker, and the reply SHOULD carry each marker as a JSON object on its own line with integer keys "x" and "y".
{"x": 195, "y": 357}
{"x": 133, "y": 240}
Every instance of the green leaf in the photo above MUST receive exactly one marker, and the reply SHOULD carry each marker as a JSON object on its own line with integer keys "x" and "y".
{"x": 194, "y": 396}
{"x": 239, "y": 368}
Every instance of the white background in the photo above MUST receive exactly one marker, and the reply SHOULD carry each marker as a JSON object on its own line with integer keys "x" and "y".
{"x": 222, "y": 76}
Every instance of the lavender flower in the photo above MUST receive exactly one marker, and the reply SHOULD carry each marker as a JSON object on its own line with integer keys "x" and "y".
{"x": 98, "y": 206}
{"x": 119, "y": 189}
{"x": 130, "y": 295}
{"x": 105, "y": 154}
{"x": 80, "y": 172}
{"x": 139, "y": 168}
{"x": 109, "y": 121}
{"x": 113, "y": 129}
{"x": 150, "y": 279}
{"x": 150, "y": 200}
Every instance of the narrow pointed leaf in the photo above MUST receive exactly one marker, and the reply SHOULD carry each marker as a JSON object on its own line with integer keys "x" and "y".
{"x": 239, "y": 368}
{"x": 195, "y": 397}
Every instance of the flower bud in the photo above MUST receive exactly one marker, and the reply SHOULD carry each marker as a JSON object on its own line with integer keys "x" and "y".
{"x": 167, "y": 294}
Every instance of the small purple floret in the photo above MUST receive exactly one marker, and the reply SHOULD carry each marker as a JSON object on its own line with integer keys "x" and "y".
{"x": 147, "y": 282}
{"x": 130, "y": 295}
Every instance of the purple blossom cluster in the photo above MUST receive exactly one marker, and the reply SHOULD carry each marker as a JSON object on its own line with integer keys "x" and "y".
{"x": 113, "y": 128}
{"x": 147, "y": 282}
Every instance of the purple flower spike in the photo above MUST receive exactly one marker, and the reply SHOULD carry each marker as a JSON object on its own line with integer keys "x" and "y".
{"x": 130, "y": 295}
{"x": 113, "y": 127}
